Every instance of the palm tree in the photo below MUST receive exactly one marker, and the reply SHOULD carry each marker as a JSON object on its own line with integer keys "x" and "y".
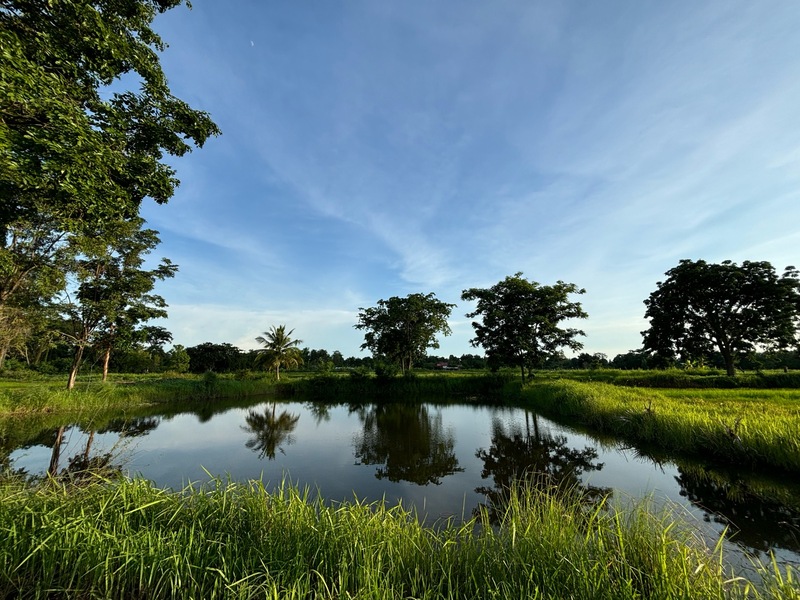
{"x": 279, "y": 349}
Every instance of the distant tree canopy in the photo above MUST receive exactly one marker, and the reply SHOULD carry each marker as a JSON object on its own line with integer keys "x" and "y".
{"x": 585, "y": 360}
{"x": 702, "y": 308}
{"x": 520, "y": 319}
{"x": 632, "y": 359}
{"x": 402, "y": 329}
{"x": 220, "y": 358}
{"x": 177, "y": 359}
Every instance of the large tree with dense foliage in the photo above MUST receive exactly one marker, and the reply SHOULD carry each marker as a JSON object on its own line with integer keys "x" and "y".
{"x": 74, "y": 143}
{"x": 733, "y": 309}
{"x": 279, "y": 349}
{"x": 520, "y": 320}
{"x": 32, "y": 267}
{"x": 402, "y": 329}
{"x": 32, "y": 256}
{"x": 86, "y": 123}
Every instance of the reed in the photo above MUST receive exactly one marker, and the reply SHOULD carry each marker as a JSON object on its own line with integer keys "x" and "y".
{"x": 126, "y": 539}
{"x": 758, "y": 428}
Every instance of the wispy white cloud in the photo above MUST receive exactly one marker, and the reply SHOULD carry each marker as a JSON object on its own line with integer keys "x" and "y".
{"x": 195, "y": 324}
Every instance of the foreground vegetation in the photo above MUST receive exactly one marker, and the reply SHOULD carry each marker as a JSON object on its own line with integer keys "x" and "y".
{"x": 129, "y": 539}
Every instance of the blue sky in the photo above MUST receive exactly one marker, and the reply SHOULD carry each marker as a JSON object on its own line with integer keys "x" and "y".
{"x": 374, "y": 149}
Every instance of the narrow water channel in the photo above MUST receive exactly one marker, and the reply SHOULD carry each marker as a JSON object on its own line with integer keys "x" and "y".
{"x": 444, "y": 461}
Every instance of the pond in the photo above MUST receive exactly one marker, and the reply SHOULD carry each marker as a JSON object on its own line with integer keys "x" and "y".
{"x": 444, "y": 461}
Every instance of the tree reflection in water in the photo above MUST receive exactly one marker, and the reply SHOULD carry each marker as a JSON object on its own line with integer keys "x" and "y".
{"x": 12, "y": 440}
{"x": 320, "y": 411}
{"x": 83, "y": 465}
{"x": 128, "y": 428}
{"x": 761, "y": 517}
{"x": 270, "y": 431}
{"x": 409, "y": 443}
{"x": 535, "y": 459}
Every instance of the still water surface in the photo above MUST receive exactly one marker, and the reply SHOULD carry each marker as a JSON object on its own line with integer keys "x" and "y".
{"x": 441, "y": 460}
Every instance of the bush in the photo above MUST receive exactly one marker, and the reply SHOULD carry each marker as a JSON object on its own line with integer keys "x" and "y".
{"x": 360, "y": 373}
{"x": 249, "y": 375}
{"x": 210, "y": 384}
{"x": 386, "y": 371}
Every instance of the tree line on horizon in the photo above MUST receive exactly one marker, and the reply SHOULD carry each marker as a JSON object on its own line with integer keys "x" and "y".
{"x": 518, "y": 327}
{"x": 701, "y": 314}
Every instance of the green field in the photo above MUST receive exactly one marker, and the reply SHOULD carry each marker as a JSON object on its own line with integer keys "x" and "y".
{"x": 753, "y": 427}
{"x": 49, "y": 395}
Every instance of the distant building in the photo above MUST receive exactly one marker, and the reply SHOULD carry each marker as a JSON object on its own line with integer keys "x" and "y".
{"x": 446, "y": 367}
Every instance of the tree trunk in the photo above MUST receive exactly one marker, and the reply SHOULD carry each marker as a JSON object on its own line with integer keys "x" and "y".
{"x": 106, "y": 359}
{"x": 55, "y": 455}
{"x": 76, "y": 364}
{"x": 278, "y": 372}
{"x": 3, "y": 353}
{"x": 729, "y": 365}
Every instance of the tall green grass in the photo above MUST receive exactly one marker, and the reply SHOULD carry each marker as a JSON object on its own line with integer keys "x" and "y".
{"x": 758, "y": 428}
{"x": 128, "y": 539}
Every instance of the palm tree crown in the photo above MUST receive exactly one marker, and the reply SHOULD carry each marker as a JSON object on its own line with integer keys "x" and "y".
{"x": 279, "y": 349}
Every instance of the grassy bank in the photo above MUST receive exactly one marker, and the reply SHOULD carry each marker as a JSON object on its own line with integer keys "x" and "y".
{"x": 758, "y": 428}
{"x": 681, "y": 378}
{"x": 129, "y": 539}
{"x": 51, "y": 397}
{"x": 48, "y": 396}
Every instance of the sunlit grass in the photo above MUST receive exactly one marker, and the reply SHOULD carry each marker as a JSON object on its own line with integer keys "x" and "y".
{"x": 92, "y": 396}
{"x": 129, "y": 539}
{"x": 739, "y": 426}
